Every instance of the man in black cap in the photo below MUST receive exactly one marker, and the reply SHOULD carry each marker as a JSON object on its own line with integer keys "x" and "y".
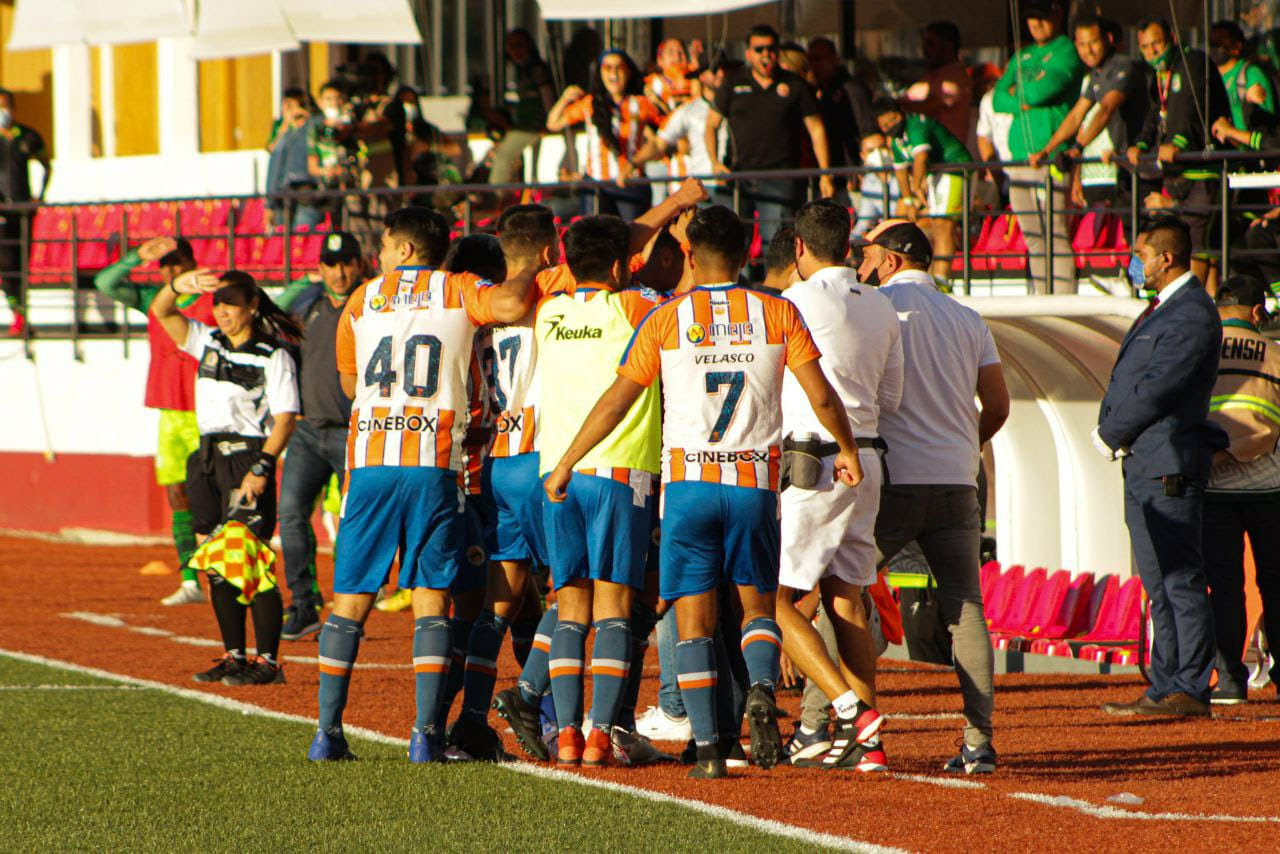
{"x": 1243, "y": 495}
{"x": 935, "y": 441}
{"x": 318, "y": 449}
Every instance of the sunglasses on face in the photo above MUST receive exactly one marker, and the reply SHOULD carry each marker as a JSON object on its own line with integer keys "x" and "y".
{"x": 765, "y": 48}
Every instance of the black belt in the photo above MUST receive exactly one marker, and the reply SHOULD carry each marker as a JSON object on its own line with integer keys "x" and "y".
{"x": 830, "y": 449}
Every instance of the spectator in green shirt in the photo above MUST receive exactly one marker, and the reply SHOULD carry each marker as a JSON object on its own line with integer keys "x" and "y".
{"x": 1038, "y": 89}
{"x": 530, "y": 95}
{"x": 932, "y": 198}
{"x": 1248, "y": 85}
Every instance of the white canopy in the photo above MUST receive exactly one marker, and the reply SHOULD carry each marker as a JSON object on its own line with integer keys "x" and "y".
{"x": 565, "y": 10}
{"x": 221, "y": 27}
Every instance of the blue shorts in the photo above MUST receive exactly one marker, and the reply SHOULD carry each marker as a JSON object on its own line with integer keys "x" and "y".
{"x": 473, "y": 561}
{"x": 416, "y": 511}
{"x": 713, "y": 533}
{"x": 513, "y": 502}
{"x": 601, "y": 531}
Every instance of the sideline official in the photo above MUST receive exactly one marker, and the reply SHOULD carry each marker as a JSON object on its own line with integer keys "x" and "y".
{"x": 1155, "y": 416}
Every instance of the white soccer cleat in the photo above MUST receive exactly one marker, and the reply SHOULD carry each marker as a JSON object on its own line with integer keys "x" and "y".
{"x": 660, "y": 726}
{"x": 188, "y": 594}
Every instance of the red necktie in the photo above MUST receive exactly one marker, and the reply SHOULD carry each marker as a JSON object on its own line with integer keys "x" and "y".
{"x": 1151, "y": 307}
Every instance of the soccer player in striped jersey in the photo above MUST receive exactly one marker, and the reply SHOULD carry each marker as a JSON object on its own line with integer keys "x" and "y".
{"x": 720, "y": 350}
{"x": 404, "y": 347}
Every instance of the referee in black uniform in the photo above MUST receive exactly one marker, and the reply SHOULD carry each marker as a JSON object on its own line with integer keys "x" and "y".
{"x": 246, "y": 406}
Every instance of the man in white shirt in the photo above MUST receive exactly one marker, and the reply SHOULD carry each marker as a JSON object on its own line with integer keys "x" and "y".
{"x": 828, "y": 533}
{"x": 683, "y": 134}
{"x": 934, "y": 451}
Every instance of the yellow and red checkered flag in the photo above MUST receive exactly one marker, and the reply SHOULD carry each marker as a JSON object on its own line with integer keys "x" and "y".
{"x": 236, "y": 554}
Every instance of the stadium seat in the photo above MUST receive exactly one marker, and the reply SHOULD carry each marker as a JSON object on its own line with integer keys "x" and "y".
{"x": 1021, "y": 602}
{"x": 1046, "y": 603}
{"x": 1072, "y": 616}
{"x": 1118, "y": 617}
{"x": 988, "y": 574}
{"x": 251, "y": 218}
{"x": 1002, "y": 590}
{"x": 50, "y": 257}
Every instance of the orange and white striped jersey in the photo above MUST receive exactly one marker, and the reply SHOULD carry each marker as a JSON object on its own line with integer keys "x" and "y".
{"x": 478, "y": 412}
{"x": 720, "y": 352}
{"x": 632, "y": 116}
{"x": 408, "y": 338}
{"x": 510, "y": 359}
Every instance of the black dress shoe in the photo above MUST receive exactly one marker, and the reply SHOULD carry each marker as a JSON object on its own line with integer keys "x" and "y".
{"x": 1179, "y": 704}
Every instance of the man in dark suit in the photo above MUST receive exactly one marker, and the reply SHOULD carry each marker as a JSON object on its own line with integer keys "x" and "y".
{"x": 1155, "y": 416}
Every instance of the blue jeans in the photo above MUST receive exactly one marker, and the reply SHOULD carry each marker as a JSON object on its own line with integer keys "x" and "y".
{"x": 314, "y": 454}
{"x": 669, "y": 697}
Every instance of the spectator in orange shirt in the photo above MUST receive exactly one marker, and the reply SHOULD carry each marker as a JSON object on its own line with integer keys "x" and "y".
{"x": 945, "y": 92}
{"x": 619, "y": 120}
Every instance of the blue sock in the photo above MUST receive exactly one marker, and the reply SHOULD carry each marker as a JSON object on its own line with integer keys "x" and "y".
{"x": 535, "y": 677}
{"x": 431, "y": 644}
{"x": 568, "y": 645}
{"x": 547, "y": 708}
{"x": 339, "y": 644}
{"x": 461, "y": 633}
{"x": 643, "y": 619}
{"x": 696, "y": 674}
{"x": 482, "y": 664}
{"x": 761, "y": 647}
{"x": 522, "y": 634}
{"x": 610, "y": 665}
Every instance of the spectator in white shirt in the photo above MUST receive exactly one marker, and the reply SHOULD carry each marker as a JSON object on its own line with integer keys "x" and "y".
{"x": 935, "y": 439}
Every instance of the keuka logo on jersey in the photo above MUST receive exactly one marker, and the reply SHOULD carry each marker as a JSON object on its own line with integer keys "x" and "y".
{"x": 396, "y": 423}
{"x": 571, "y": 333}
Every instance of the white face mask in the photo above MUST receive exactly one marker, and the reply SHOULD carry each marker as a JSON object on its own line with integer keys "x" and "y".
{"x": 6, "y": 118}
{"x": 332, "y": 113}
{"x": 410, "y": 113}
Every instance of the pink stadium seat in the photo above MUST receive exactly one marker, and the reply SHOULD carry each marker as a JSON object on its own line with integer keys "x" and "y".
{"x": 1002, "y": 590}
{"x": 1022, "y": 602}
{"x": 1045, "y": 605}
{"x": 304, "y": 251}
{"x": 251, "y": 218}
{"x": 1118, "y": 616}
{"x": 988, "y": 574}
{"x": 155, "y": 219}
{"x": 50, "y": 244}
{"x": 1072, "y": 616}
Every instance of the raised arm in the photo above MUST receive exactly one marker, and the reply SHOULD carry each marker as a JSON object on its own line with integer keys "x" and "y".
{"x": 164, "y": 307}
{"x": 690, "y": 193}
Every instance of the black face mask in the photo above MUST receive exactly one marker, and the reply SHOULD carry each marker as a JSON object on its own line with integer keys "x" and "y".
{"x": 896, "y": 129}
{"x": 873, "y": 277}
{"x": 1219, "y": 55}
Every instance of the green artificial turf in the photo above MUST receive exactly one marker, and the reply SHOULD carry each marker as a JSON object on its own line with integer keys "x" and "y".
{"x": 111, "y": 767}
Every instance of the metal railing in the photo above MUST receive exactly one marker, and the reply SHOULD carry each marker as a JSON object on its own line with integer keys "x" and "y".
{"x": 473, "y": 204}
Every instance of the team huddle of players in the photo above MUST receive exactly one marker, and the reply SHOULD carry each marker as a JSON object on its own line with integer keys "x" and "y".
{"x": 612, "y": 409}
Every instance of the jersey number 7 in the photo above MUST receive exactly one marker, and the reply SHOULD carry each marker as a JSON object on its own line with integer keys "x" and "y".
{"x": 381, "y": 373}
{"x": 717, "y": 380}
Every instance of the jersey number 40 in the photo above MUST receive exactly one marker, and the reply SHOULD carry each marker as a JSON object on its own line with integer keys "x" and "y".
{"x": 381, "y": 370}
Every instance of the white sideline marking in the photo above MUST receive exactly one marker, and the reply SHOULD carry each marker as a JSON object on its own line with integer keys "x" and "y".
{"x": 925, "y": 716}
{"x": 945, "y": 782}
{"x": 1138, "y": 815}
{"x": 111, "y": 621}
{"x": 764, "y": 825}
{"x": 70, "y": 688}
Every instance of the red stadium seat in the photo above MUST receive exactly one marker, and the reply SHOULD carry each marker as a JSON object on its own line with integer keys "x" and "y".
{"x": 1118, "y": 617}
{"x": 988, "y": 574}
{"x": 251, "y": 218}
{"x": 1046, "y": 602}
{"x": 1021, "y": 602}
{"x": 50, "y": 259}
{"x": 1002, "y": 590}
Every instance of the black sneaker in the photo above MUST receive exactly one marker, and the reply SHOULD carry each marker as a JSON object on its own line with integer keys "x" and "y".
{"x": 472, "y": 739}
{"x": 708, "y": 763}
{"x": 762, "y": 720}
{"x": 228, "y": 665}
{"x": 300, "y": 620}
{"x": 524, "y": 720}
{"x": 257, "y": 672}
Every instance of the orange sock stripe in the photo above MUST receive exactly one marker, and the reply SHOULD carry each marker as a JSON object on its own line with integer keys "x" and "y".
{"x": 430, "y": 668}
{"x": 697, "y": 683}
{"x": 609, "y": 671}
{"x": 335, "y": 671}
{"x": 545, "y": 647}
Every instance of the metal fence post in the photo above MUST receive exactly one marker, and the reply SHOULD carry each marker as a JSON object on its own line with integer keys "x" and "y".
{"x": 964, "y": 231}
{"x": 124, "y": 250}
{"x": 1224, "y": 224}
{"x": 1050, "y": 279}
{"x": 24, "y": 284}
{"x": 466, "y": 214}
{"x": 595, "y": 195}
{"x": 231, "y": 237}
{"x": 75, "y": 282}
{"x": 1134, "y": 208}
{"x": 287, "y": 272}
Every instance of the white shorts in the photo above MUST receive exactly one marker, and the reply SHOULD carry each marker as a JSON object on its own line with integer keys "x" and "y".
{"x": 946, "y": 194}
{"x": 830, "y": 530}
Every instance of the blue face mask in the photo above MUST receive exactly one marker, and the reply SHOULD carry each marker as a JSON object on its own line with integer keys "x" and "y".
{"x": 1137, "y": 272}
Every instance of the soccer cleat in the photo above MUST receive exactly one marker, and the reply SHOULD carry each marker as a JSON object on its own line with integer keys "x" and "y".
{"x": 732, "y": 753}
{"x": 846, "y": 748}
{"x": 300, "y": 620}
{"x": 570, "y": 747}
{"x": 866, "y": 723}
{"x": 973, "y": 760}
{"x": 401, "y": 600}
{"x": 707, "y": 763}
{"x": 258, "y": 671}
{"x": 329, "y": 747}
{"x": 632, "y": 749}
{"x": 656, "y": 724}
{"x": 524, "y": 721}
{"x": 598, "y": 748}
{"x": 762, "y": 721}
{"x": 188, "y": 594}
{"x": 424, "y": 748}
{"x": 228, "y": 665}
{"x": 473, "y": 739}
{"x": 808, "y": 745}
